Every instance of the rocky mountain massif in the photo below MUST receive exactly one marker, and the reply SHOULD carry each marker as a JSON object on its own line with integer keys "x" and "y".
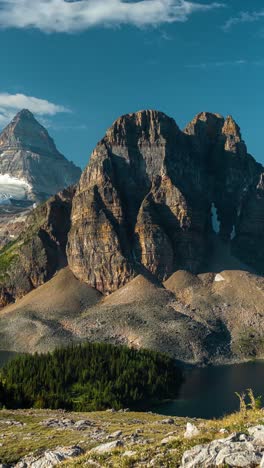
{"x": 150, "y": 192}
{"x": 163, "y": 237}
{"x": 31, "y": 170}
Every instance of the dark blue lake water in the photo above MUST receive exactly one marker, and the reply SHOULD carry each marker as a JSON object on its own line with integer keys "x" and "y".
{"x": 210, "y": 392}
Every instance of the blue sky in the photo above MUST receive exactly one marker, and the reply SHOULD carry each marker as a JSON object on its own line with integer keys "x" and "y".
{"x": 80, "y": 65}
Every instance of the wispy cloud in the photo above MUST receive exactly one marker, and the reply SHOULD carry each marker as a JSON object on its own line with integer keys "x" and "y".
{"x": 10, "y": 104}
{"x": 217, "y": 64}
{"x": 70, "y": 16}
{"x": 225, "y": 63}
{"x": 243, "y": 17}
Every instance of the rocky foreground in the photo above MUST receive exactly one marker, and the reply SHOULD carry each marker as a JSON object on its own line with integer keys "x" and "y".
{"x": 43, "y": 439}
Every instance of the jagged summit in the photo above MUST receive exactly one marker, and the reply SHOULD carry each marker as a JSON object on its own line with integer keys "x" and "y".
{"x": 24, "y": 114}
{"x": 140, "y": 125}
{"x": 206, "y": 126}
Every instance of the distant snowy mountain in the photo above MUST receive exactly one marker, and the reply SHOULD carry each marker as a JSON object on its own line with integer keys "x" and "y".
{"x": 31, "y": 170}
{"x": 31, "y": 167}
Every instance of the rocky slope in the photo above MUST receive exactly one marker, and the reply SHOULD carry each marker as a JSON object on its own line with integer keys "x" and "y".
{"x": 150, "y": 192}
{"x": 198, "y": 319}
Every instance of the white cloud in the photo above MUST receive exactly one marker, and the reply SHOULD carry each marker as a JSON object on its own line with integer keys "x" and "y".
{"x": 243, "y": 17}
{"x": 226, "y": 63}
{"x": 219, "y": 64}
{"x": 10, "y": 104}
{"x": 70, "y": 16}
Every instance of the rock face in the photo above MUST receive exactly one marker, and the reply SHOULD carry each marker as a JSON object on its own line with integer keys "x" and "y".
{"x": 237, "y": 450}
{"x": 39, "y": 251}
{"x": 31, "y": 167}
{"x": 147, "y": 200}
{"x": 50, "y": 458}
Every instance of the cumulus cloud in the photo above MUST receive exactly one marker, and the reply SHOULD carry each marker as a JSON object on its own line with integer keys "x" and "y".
{"x": 78, "y": 15}
{"x": 10, "y": 104}
{"x": 243, "y": 17}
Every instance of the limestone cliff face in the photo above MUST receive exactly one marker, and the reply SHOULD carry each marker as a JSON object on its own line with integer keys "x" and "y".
{"x": 144, "y": 201}
{"x": 231, "y": 170}
{"x": 139, "y": 202}
{"x": 248, "y": 242}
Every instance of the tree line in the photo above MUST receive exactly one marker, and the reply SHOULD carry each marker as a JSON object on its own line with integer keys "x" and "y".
{"x": 89, "y": 377}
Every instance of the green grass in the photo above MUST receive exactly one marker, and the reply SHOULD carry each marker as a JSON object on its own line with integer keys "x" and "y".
{"x": 33, "y": 437}
{"x": 6, "y": 260}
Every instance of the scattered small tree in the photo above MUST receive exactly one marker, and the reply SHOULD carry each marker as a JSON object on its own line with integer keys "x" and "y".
{"x": 254, "y": 403}
{"x": 242, "y": 403}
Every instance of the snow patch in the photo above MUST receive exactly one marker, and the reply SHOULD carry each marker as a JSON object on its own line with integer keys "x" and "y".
{"x": 12, "y": 188}
{"x": 215, "y": 220}
{"x": 219, "y": 277}
{"x": 233, "y": 233}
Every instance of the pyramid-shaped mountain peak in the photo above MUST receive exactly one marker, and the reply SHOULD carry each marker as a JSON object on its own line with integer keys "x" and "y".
{"x": 29, "y": 154}
{"x": 25, "y": 132}
{"x": 24, "y": 114}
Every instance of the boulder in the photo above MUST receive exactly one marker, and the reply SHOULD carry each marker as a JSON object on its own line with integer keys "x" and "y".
{"x": 49, "y": 458}
{"x": 238, "y": 450}
{"x": 115, "y": 435}
{"x": 167, "y": 440}
{"x": 108, "y": 447}
{"x": 191, "y": 431}
{"x": 167, "y": 421}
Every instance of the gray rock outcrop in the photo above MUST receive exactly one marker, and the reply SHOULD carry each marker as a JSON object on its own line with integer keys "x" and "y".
{"x": 49, "y": 458}
{"x": 238, "y": 450}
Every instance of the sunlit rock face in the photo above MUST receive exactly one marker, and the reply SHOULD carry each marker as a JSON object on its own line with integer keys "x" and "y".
{"x": 151, "y": 196}
{"x": 31, "y": 167}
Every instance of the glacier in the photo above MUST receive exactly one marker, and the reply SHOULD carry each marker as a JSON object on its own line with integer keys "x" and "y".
{"x": 12, "y": 188}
